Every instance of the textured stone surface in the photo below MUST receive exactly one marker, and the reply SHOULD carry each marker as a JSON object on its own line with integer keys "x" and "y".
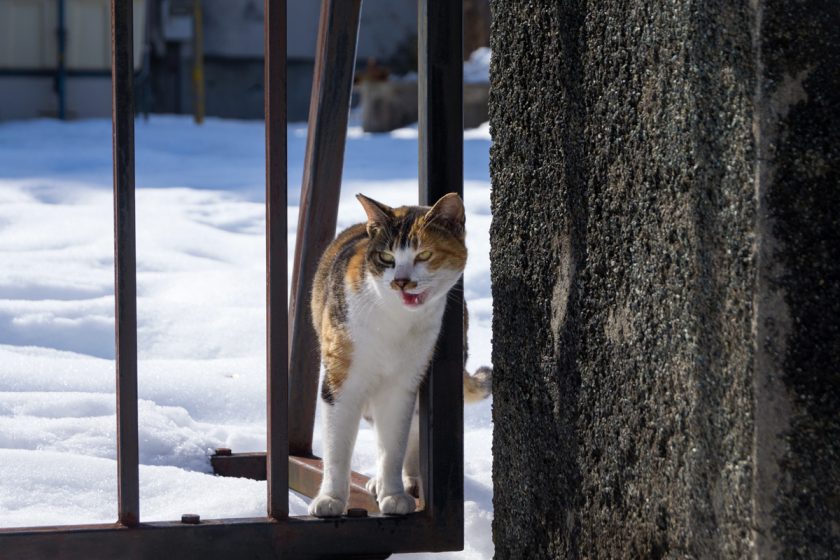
{"x": 799, "y": 327}
{"x": 665, "y": 255}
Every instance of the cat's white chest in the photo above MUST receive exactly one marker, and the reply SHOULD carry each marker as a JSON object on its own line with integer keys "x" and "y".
{"x": 393, "y": 342}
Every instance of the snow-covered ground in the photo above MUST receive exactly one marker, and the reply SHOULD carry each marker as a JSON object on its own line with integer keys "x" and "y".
{"x": 201, "y": 293}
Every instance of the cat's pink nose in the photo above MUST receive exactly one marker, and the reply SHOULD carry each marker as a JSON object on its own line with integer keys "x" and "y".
{"x": 401, "y": 282}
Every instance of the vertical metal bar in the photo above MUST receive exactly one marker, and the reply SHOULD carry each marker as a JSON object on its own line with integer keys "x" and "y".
{"x": 441, "y": 133}
{"x": 276, "y": 264}
{"x": 333, "y": 81}
{"x": 125, "y": 288}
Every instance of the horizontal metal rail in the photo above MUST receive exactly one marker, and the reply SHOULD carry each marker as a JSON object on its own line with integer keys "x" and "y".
{"x": 295, "y": 538}
{"x": 44, "y": 73}
{"x": 305, "y": 475}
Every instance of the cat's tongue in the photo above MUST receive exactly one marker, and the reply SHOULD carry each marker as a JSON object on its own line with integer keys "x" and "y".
{"x": 412, "y": 300}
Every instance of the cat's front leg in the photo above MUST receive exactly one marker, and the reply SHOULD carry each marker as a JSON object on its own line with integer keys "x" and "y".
{"x": 393, "y": 408}
{"x": 411, "y": 464}
{"x": 341, "y": 425}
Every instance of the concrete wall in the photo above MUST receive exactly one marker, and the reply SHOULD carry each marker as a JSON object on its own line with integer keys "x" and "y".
{"x": 665, "y": 258}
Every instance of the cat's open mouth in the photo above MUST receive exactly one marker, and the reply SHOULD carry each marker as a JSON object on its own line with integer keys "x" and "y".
{"x": 413, "y": 300}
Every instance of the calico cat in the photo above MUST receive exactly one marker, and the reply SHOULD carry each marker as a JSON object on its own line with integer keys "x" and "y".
{"x": 377, "y": 305}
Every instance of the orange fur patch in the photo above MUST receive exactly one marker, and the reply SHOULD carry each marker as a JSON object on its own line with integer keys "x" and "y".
{"x": 401, "y": 212}
{"x": 336, "y": 355}
{"x": 355, "y": 268}
{"x": 447, "y": 252}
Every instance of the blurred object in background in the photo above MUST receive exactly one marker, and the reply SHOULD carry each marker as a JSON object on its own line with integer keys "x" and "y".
{"x": 476, "y": 26}
{"x": 372, "y": 72}
{"x": 390, "y": 102}
{"x": 211, "y": 67}
{"x": 233, "y": 55}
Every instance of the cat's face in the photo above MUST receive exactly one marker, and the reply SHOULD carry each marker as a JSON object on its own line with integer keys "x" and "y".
{"x": 415, "y": 254}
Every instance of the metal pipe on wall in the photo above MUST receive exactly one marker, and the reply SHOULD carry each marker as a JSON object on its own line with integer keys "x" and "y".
{"x": 198, "y": 62}
{"x": 61, "y": 69}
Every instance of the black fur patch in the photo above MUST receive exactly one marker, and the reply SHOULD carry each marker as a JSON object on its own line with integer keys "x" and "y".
{"x": 326, "y": 393}
{"x": 336, "y": 302}
{"x": 403, "y": 228}
{"x": 395, "y": 234}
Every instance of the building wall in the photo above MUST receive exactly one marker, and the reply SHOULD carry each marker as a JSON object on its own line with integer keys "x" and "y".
{"x": 233, "y": 36}
{"x": 665, "y": 256}
{"x": 26, "y": 95}
{"x": 233, "y": 48}
{"x": 29, "y": 57}
{"x": 234, "y": 28}
{"x": 28, "y": 34}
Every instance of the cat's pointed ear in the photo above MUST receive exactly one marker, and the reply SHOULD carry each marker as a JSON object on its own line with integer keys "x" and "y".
{"x": 378, "y": 214}
{"x": 448, "y": 212}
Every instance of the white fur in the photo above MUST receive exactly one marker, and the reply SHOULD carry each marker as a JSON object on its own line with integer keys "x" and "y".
{"x": 392, "y": 346}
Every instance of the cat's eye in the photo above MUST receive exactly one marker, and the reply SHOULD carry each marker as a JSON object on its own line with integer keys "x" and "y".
{"x": 424, "y": 256}
{"x": 387, "y": 258}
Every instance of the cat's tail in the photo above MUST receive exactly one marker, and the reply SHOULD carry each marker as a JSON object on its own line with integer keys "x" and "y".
{"x": 479, "y": 385}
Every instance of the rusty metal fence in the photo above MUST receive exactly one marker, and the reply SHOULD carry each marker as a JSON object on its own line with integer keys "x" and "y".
{"x": 292, "y": 357}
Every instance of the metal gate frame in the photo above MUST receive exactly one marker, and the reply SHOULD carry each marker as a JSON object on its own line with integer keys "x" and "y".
{"x": 440, "y": 525}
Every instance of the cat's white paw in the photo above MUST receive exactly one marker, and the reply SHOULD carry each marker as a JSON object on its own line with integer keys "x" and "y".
{"x": 370, "y": 486}
{"x": 326, "y": 506}
{"x": 397, "y": 504}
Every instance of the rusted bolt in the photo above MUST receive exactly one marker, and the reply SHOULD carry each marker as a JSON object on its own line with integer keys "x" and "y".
{"x": 357, "y": 512}
{"x": 223, "y": 452}
{"x": 191, "y": 519}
